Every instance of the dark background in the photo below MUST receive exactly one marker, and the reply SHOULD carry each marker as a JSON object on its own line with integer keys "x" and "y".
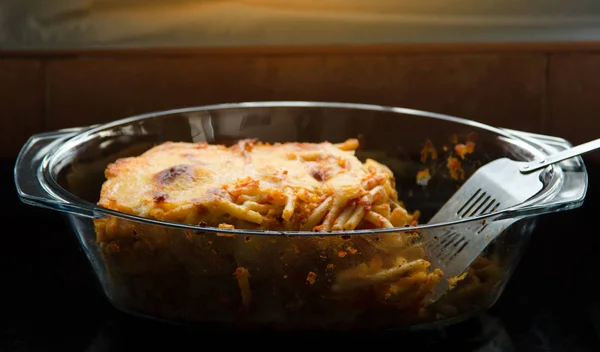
{"x": 548, "y": 88}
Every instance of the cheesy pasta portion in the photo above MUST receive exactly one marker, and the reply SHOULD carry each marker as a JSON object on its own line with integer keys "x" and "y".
{"x": 190, "y": 275}
{"x": 254, "y": 185}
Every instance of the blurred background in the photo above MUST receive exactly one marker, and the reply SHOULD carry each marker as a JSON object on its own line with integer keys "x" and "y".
{"x": 532, "y": 65}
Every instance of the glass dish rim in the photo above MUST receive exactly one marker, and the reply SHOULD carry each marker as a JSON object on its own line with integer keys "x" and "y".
{"x": 51, "y": 185}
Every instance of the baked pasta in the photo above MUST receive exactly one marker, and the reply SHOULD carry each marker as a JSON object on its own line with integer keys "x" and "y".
{"x": 292, "y": 281}
{"x": 251, "y": 185}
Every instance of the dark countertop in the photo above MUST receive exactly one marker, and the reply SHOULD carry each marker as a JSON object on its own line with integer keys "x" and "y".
{"x": 50, "y": 301}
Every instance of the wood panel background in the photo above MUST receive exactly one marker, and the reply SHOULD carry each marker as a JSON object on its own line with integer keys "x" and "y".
{"x": 547, "y": 90}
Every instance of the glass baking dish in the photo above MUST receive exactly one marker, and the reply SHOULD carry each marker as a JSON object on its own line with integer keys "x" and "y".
{"x": 191, "y": 274}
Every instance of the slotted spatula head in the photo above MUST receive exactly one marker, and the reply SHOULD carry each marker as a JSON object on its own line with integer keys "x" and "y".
{"x": 494, "y": 186}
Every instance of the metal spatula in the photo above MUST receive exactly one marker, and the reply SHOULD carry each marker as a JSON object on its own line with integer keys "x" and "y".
{"x": 500, "y": 184}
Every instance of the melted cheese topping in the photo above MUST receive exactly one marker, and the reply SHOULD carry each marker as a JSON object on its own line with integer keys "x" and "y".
{"x": 290, "y": 186}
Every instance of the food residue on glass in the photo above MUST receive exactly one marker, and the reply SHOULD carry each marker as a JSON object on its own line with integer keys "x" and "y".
{"x": 423, "y": 177}
{"x": 311, "y": 278}
{"x": 428, "y": 150}
{"x": 469, "y": 147}
{"x": 242, "y": 276}
{"x": 455, "y": 168}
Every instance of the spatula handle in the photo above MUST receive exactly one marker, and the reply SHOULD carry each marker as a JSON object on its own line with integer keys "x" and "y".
{"x": 558, "y": 157}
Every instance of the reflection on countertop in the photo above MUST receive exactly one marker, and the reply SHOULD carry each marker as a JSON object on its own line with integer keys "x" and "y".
{"x": 485, "y": 333}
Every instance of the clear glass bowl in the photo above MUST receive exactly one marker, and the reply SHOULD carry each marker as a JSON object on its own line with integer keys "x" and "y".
{"x": 188, "y": 274}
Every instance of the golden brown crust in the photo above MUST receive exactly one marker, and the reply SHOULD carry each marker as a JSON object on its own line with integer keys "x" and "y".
{"x": 253, "y": 185}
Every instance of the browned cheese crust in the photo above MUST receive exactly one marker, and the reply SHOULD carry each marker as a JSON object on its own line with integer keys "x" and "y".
{"x": 253, "y": 185}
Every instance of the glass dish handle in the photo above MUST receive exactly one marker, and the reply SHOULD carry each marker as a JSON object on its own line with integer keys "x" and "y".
{"x": 574, "y": 187}
{"x": 30, "y": 180}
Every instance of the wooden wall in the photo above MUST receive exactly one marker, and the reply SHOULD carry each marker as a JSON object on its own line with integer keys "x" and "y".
{"x": 539, "y": 88}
